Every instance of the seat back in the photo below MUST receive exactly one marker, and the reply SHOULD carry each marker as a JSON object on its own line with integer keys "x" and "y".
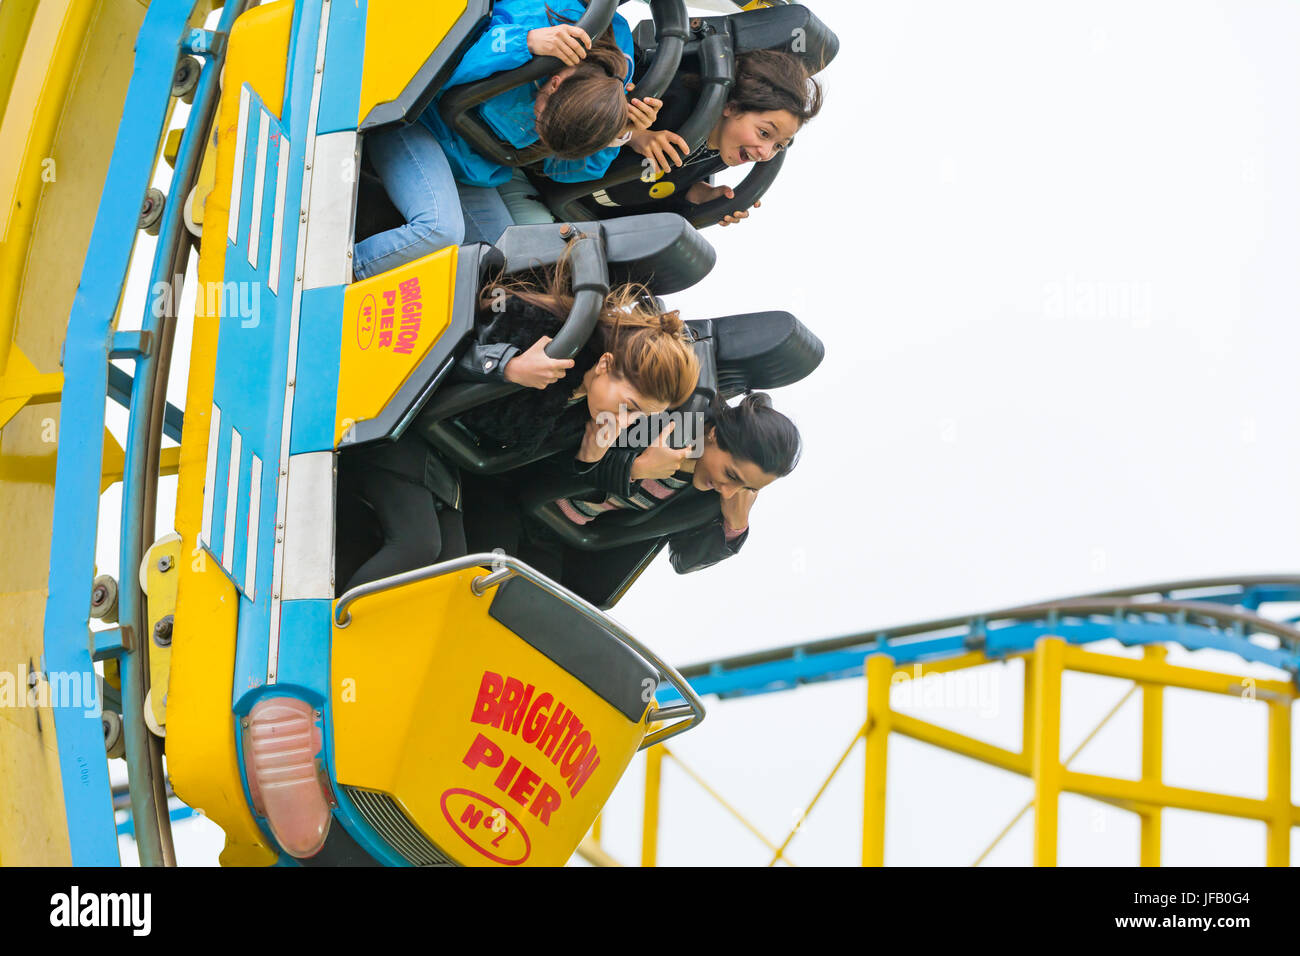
{"x": 662, "y": 251}
{"x": 760, "y": 350}
{"x": 789, "y": 27}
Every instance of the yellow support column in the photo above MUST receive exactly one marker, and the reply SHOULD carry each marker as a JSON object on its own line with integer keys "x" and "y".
{"x": 1048, "y": 663}
{"x": 880, "y": 672}
{"x": 1279, "y": 783}
{"x": 1153, "y": 742}
{"x": 654, "y": 758}
{"x": 1027, "y": 711}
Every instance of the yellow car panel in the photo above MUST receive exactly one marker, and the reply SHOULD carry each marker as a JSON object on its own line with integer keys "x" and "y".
{"x": 400, "y": 37}
{"x": 389, "y": 322}
{"x": 498, "y": 755}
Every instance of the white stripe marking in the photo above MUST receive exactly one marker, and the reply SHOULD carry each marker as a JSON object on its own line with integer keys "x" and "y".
{"x": 277, "y": 226}
{"x": 286, "y": 427}
{"x": 232, "y": 499}
{"x": 254, "y": 513}
{"x": 236, "y": 185}
{"x": 259, "y": 190}
{"x": 209, "y": 492}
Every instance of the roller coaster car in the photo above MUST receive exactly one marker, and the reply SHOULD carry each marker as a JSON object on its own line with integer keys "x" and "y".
{"x": 668, "y": 42}
{"x": 472, "y": 713}
{"x": 458, "y": 715}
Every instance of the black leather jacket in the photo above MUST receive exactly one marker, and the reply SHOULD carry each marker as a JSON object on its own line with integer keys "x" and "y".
{"x": 530, "y": 417}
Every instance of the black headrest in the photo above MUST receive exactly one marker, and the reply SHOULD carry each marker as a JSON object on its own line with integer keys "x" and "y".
{"x": 662, "y": 250}
{"x": 792, "y": 28}
{"x": 789, "y": 27}
{"x": 759, "y": 350}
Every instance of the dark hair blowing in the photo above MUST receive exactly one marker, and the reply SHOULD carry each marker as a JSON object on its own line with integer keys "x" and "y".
{"x": 589, "y": 109}
{"x": 772, "y": 80}
{"x": 756, "y": 432}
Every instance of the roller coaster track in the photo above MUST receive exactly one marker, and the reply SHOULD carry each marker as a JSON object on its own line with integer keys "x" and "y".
{"x": 1221, "y": 614}
{"x": 1205, "y": 614}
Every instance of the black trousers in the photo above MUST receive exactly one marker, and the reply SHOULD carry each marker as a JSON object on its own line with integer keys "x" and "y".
{"x": 493, "y": 520}
{"x": 415, "y": 529}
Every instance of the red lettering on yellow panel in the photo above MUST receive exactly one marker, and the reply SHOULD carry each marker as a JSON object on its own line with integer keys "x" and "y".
{"x": 486, "y": 826}
{"x": 366, "y": 323}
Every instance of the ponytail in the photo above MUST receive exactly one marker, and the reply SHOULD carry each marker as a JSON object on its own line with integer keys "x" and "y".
{"x": 652, "y": 349}
{"x": 756, "y": 432}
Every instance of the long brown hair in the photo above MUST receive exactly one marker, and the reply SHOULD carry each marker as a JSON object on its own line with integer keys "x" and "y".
{"x": 767, "y": 80}
{"x": 651, "y": 348}
{"x": 774, "y": 80}
{"x": 589, "y": 109}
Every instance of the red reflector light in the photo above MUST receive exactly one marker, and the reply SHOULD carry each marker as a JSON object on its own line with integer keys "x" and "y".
{"x": 281, "y": 741}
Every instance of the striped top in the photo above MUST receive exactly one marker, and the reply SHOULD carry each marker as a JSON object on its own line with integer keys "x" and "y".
{"x": 646, "y": 494}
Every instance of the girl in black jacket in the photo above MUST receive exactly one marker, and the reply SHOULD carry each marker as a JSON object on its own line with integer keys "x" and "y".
{"x": 638, "y": 362}
{"x": 746, "y": 447}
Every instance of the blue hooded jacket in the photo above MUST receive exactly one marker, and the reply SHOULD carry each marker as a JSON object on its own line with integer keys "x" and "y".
{"x": 504, "y": 46}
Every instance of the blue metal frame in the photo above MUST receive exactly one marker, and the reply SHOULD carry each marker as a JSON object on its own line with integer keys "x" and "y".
{"x": 807, "y": 664}
{"x": 83, "y": 763}
{"x": 119, "y": 390}
{"x": 89, "y": 343}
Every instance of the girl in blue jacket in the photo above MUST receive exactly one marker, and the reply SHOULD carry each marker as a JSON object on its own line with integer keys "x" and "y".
{"x": 446, "y": 191}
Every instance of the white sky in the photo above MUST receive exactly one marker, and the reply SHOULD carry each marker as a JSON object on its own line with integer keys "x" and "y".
{"x": 1051, "y": 249}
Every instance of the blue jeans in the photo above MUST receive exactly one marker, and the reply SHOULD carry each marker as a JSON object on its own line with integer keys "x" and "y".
{"x": 439, "y": 212}
{"x": 486, "y": 216}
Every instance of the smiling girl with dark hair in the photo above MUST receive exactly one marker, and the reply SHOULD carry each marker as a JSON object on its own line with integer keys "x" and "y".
{"x": 772, "y": 96}
{"x": 747, "y": 446}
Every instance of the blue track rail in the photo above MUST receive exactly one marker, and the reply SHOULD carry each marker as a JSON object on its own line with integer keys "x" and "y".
{"x": 90, "y": 341}
{"x": 1215, "y": 614}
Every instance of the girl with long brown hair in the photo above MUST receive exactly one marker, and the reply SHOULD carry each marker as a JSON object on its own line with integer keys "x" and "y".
{"x": 445, "y": 190}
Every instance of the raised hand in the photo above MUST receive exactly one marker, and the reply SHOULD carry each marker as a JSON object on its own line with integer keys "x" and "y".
{"x": 702, "y": 192}
{"x": 565, "y": 42}
{"x": 536, "y": 369}
{"x": 643, "y": 113}
{"x": 661, "y": 146}
{"x": 596, "y": 440}
{"x": 735, "y": 510}
{"x": 660, "y": 461}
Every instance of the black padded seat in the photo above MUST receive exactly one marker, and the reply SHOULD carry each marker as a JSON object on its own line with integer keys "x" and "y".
{"x": 760, "y": 350}
{"x": 375, "y": 211}
{"x": 661, "y": 250}
{"x": 765, "y": 28}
